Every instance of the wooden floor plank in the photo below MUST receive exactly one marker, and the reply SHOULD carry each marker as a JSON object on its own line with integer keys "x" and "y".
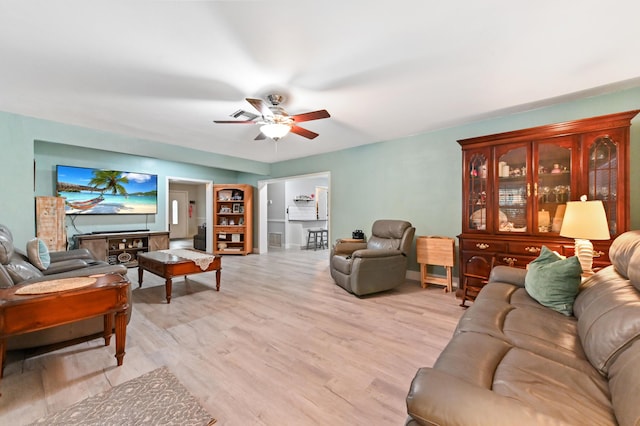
{"x": 279, "y": 344}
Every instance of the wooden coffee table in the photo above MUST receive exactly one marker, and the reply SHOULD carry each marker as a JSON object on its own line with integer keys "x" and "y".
{"x": 24, "y": 313}
{"x": 168, "y": 265}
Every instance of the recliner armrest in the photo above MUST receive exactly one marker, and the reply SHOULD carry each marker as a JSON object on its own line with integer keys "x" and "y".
{"x": 372, "y": 253}
{"x": 343, "y": 247}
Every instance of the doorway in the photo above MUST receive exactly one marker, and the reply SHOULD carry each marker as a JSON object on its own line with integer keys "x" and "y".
{"x": 179, "y": 220}
{"x": 197, "y": 208}
{"x": 276, "y": 196}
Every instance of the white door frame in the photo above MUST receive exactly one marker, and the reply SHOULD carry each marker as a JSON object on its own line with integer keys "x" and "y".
{"x": 208, "y": 208}
{"x": 263, "y": 200}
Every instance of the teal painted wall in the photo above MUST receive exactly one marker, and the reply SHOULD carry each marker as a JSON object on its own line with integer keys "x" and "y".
{"x": 16, "y": 179}
{"x": 417, "y": 178}
{"x": 18, "y": 140}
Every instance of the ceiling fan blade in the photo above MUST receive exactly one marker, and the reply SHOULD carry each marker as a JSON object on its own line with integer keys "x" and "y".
{"x": 303, "y": 132}
{"x": 260, "y": 137}
{"x": 308, "y": 116}
{"x": 261, "y": 106}
{"x": 234, "y": 121}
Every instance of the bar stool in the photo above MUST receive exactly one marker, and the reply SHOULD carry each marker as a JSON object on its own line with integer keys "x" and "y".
{"x": 319, "y": 238}
{"x": 324, "y": 239}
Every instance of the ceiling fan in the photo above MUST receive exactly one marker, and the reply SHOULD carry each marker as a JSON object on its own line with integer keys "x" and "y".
{"x": 276, "y": 122}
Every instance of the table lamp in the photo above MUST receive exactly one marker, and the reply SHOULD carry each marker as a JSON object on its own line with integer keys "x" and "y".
{"x": 584, "y": 221}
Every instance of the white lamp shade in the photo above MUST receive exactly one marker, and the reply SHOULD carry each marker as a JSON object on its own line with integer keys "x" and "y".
{"x": 585, "y": 220}
{"x": 275, "y": 130}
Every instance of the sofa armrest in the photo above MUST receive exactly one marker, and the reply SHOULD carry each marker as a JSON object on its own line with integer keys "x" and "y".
{"x": 96, "y": 269}
{"x": 438, "y": 398}
{"x": 59, "y": 256}
{"x": 508, "y": 274}
{"x": 65, "y": 266}
{"x": 372, "y": 253}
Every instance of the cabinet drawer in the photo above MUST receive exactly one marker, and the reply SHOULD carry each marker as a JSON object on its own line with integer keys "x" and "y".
{"x": 532, "y": 248}
{"x": 509, "y": 259}
{"x": 482, "y": 245}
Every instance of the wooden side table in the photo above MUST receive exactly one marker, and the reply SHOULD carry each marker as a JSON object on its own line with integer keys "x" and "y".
{"x": 108, "y": 295}
{"x": 352, "y": 240}
{"x": 435, "y": 251}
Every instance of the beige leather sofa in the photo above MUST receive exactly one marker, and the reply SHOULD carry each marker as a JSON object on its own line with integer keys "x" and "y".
{"x": 16, "y": 269}
{"x": 376, "y": 265}
{"x": 513, "y": 361}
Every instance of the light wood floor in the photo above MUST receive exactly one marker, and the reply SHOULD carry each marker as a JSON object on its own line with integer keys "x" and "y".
{"x": 280, "y": 344}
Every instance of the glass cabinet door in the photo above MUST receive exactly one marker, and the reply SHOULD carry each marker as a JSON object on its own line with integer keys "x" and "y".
{"x": 603, "y": 177}
{"x": 552, "y": 183}
{"x": 476, "y": 198}
{"x": 513, "y": 189}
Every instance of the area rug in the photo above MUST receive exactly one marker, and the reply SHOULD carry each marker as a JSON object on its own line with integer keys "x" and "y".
{"x": 156, "y": 398}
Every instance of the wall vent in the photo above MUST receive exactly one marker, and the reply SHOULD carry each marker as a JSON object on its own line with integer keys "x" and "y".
{"x": 275, "y": 239}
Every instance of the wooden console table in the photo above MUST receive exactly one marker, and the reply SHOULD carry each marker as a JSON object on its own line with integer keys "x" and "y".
{"x": 24, "y": 313}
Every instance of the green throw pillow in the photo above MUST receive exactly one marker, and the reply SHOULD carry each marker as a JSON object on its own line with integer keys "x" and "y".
{"x": 554, "y": 281}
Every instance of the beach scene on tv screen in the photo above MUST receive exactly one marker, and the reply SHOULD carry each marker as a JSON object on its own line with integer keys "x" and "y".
{"x": 95, "y": 191}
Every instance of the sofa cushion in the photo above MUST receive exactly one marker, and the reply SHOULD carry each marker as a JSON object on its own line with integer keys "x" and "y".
{"x": 581, "y": 397}
{"x": 608, "y": 313}
{"x": 624, "y": 375}
{"x": 507, "y": 312}
{"x": 554, "y": 281}
{"x": 38, "y": 253}
{"x": 622, "y": 249}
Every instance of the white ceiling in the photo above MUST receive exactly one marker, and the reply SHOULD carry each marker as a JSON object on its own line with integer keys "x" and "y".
{"x": 163, "y": 70}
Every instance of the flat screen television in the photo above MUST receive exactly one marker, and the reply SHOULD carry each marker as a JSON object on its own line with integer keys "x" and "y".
{"x": 103, "y": 191}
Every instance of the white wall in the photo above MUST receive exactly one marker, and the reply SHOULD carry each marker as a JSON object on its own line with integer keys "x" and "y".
{"x": 276, "y": 210}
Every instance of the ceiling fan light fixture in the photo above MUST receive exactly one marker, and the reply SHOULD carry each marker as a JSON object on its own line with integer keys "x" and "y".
{"x": 275, "y": 131}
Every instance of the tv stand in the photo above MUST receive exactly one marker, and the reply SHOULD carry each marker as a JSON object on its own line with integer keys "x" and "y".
{"x": 122, "y": 247}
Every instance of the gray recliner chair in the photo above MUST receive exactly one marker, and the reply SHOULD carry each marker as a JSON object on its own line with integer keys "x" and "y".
{"x": 377, "y": 265}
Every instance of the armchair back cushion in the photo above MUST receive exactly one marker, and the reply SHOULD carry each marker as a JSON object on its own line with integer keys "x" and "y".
{"x": 390, "y": 234}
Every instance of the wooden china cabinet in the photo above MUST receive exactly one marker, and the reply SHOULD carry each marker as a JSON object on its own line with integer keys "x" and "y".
{"x": 516, "y": 185}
